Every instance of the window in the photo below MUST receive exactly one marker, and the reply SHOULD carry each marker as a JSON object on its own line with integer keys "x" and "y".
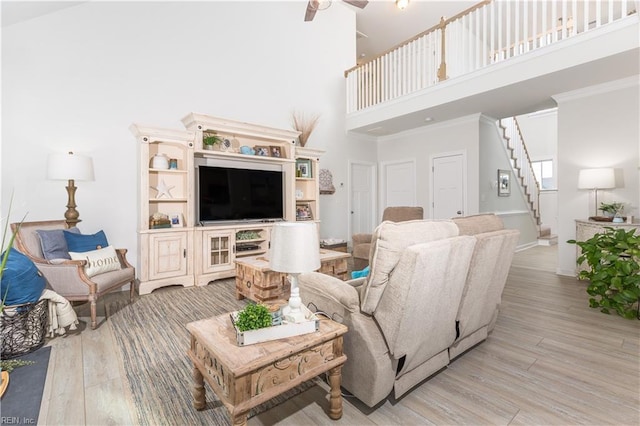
{"x": 544, "y": 173}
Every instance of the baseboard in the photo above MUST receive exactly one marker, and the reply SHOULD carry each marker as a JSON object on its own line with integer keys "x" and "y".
{"x": 526, "y": 246}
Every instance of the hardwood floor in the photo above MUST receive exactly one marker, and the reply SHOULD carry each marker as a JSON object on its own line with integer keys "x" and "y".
{"x": 550, "y": 360}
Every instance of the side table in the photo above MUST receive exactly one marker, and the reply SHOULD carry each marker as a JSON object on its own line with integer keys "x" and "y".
{"x": 246, "y": 376}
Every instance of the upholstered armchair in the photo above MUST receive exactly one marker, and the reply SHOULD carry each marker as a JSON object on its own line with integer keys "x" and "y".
{"x": 68, "y": 278}
{"x": 361, "y": 243}
{"x": 401, "y": 318}
{"x": 490, "y": 263}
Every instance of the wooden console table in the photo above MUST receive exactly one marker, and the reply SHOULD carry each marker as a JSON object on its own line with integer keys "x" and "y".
{"x": 246, "y": 376}
{"x": 255, "y": 281}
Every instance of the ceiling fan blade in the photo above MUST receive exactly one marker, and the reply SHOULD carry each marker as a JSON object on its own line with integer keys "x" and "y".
{"x": 311, "y": 11}
{"x": 357, "y": 3}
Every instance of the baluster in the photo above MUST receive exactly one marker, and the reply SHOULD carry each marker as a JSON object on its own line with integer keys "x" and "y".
{"x": 554, "y": 21}
{"x": 534, "y": 38}
{"x": 598, "y": 14}
{"x": 564, "y": 19}
{"x": 508, "y": 46}
{"x": 525, "y": 20}
{"x": 516, "y": 35}
{"x": 610, "y": 11}
{"x": 484, "y": 36}
{"x": 623, "y": 8}
{"x": 586, "y": 16}
{"x": 492, "y": 36}
{"x": 476, "y": 40}
{"x": 543, "y": 40}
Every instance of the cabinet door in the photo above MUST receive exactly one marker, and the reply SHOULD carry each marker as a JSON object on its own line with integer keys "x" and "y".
{"x": 168, "y": 255}
{"x": 217, "y": 251}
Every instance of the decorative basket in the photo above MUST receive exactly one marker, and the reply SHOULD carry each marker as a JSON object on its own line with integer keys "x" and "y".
{"x": 23, "y": 328}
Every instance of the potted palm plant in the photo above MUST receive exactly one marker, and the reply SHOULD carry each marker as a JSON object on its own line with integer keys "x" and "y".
{"x": 210, "y": 140}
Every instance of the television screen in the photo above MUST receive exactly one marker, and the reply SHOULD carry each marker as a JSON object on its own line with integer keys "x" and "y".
{"x": 232, "y": 194}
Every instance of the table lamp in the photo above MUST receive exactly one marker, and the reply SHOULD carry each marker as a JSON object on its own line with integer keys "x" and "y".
{"x": 294, "y": 249}
{"x": 595, "y": 179}
{"x": 70, "y": 167}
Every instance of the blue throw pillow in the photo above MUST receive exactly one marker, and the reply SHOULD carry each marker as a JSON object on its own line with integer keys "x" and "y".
{"x": 53, "y": 243}
{"x": 360, "y": 274}
{"x": 80, "y": 243}
{"x": 22, "y": 282}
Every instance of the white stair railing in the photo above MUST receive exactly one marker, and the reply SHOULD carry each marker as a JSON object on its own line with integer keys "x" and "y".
{"x": 489, "y": 32}
{"x": 521, "y": 164}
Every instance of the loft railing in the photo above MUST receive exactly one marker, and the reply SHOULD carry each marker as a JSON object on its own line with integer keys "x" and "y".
{"x": 489, "y": 32}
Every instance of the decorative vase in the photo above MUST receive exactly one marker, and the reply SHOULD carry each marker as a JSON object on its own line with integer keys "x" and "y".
{"x": 160, "y": 161}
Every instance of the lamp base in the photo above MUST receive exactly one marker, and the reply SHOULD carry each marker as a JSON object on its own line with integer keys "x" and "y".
{"x": 290, "y": 315}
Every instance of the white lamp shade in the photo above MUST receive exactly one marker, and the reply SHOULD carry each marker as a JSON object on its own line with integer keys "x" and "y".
{"x": 295, "y": 247}
{"x": 69, "y": 167}
{"x": 596, "y": 179}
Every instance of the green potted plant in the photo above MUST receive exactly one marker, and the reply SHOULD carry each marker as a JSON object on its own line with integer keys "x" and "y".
{"x": 614, "y": 209}
{"x": 210, "y": 140}
{"x": 253, "y": 317}
{"x": 613, "y": 258}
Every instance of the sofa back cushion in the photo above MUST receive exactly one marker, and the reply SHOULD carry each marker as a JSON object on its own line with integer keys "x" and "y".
{"x": 476, "y": 224}
{"x": 388, "y": 242}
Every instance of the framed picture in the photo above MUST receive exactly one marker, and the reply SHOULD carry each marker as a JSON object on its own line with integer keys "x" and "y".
{"x": 276, "y": 151}
{"x": 177, "y": 221}
{"x": 303, "y": 211}
{"x": 262, "y": 151}
{"x": 303, "y": 168}
{"x": 504, "y": 183}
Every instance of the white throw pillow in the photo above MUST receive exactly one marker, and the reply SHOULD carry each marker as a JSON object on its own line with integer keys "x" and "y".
{"x": 98, "y": 261}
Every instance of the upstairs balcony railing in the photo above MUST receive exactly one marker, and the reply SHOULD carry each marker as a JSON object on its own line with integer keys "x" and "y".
{"x": 489, "y": 32}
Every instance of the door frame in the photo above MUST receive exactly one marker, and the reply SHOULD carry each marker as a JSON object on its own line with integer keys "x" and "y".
{"x": 383, "y": 179}
{"x": 374, "y": 189}
{"x": 432, "y": 159}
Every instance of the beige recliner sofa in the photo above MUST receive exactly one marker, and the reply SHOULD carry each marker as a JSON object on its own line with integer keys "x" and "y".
{"x": 361, "y": 243}
{"x": 401, "y": 318}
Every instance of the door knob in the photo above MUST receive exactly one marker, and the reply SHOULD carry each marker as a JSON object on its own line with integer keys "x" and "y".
{"x": 459, "y": 212}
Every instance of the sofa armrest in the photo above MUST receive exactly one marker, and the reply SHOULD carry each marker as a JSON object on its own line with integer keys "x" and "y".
{"x": 356, "y": 282}
{"x": 361, "y": 238}
{"x": 328, "y": 294}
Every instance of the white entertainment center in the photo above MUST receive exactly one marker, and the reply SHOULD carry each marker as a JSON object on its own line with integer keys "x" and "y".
{"x": 185, "y": 252}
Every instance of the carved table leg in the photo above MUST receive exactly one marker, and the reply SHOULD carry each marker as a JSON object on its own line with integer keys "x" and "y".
{"x": 240, "y": 419}
{"x": 199, "y": 400}
{"x": 335, "y": 398}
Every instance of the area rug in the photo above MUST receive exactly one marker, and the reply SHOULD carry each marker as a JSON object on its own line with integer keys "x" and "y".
{"x": 152, "y": 341}
{"x": 21, "y": 401}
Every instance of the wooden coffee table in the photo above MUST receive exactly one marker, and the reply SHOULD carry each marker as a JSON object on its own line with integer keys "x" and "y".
{"x": 246, "y": 376}
{"x": 257, "y": 282}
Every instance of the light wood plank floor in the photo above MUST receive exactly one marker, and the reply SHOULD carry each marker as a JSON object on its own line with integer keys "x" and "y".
{"x": 550, "y": 360}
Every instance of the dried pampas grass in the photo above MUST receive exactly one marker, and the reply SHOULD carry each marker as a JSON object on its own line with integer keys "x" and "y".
{"x": 304, "y": 125}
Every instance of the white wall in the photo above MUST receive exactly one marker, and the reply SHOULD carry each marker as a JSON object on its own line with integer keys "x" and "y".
{"x": 76, "y": 79}
{"x": 454, "y": 135}
{"x": 597, "y": 127}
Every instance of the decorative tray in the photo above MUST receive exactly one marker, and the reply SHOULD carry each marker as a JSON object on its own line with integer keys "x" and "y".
{"x": 282, "y": 331}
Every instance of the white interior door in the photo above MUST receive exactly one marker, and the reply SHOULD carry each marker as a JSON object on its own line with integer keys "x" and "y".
{"x": 449, "y": 189}
{"x": 398, "y": 184}
{"x": 362, "y": 199}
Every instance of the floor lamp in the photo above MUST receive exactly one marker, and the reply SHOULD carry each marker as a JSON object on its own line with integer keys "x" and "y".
{"x": 295, "y": 249}
{"x": 70, "y": 167}
{"x": 596, "y": 179}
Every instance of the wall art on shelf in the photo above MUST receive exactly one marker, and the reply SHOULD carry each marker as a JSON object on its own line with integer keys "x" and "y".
{"x": 303, "y": 168}
{"x": 262, "y": 151}
{"x": 276, "y": 151}
{"x": 177, "y": 221}
{"x": 504, "y": 183}
{"x": 303, "y": 211}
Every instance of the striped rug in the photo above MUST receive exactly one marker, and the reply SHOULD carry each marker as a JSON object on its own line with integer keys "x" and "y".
{"x": 152, "y": 340}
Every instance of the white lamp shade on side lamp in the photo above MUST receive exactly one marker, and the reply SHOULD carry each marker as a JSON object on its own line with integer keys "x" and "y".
{"x": 295, "y": 249}
{"x": 69, "y": 167}
{"x": 596, "y": 179}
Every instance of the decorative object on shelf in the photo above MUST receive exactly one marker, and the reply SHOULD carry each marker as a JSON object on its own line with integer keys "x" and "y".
{"x": 276, "y": 151}
{"x": 177, "y": 221}
{"x": 614, "y": 271}
{"x": 225, "y": 145}
{"x": 210, "y": 140}
{"x": 299, "y": 194}
{"x": 235, "y": 144}
{"x": 603, "y": 178}
{"x": 163, "y": 189}
{"x": 70, "y": 167}
{"x": 247, "y": 235}
{"x": 303, "y": 211}
{"x": 326, "y": 182}
{"x": 159, "y": 220}
{"x": 295, "y": 249}
{"x": 613, "y": 211}
{"x": 160, "y": 162}
{"x": 504, "y": 183}
{"x": 303, "y": 168}
{"x": 262, "y": 151}
{"x": 247, "y": 150}
{"x": 173, "y": 164}
{"x": 305, "y": 125}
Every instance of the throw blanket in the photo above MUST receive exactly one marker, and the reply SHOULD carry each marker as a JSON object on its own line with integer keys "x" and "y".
{"x": 61, "y": 314}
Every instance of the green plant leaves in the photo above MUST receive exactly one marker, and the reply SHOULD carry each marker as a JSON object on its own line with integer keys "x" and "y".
{"x": 253, "y": 317}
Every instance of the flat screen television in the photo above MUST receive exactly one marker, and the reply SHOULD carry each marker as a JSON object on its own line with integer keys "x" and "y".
{"x": 239, "y": 194}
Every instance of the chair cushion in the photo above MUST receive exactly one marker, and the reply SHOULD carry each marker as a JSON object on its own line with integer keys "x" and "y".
{"x": 79, "y": 243}
{"x": 53, "y": 243}
{"x": 389, "y": 241}
{"x": 22, "y": 282}
{"x": 98, "y": 261}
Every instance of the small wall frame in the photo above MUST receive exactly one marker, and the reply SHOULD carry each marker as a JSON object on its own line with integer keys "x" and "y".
{"x": 504, "y": 183}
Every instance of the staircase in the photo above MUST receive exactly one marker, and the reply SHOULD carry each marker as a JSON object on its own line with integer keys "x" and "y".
{"x": 523, "y": 171}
